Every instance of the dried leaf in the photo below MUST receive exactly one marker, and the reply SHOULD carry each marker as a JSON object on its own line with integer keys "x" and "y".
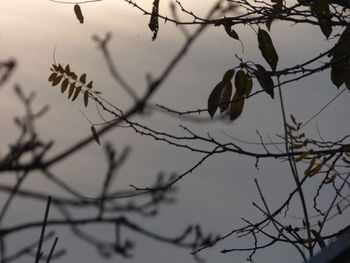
{"x": 316, "y": 169}
{"x": 78, "y": 13}
{"x": 153, "y": 23}
{"x": 331, "y": 179}
{"x": 303, "y": 156}
{"x": 311, "y": 164}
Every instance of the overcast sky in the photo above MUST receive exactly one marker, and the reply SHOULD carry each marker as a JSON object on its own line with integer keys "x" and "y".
{"x": 217, "y": 194}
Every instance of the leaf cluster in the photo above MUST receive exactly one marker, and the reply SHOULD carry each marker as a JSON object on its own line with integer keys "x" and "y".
{"x": 70, "y": 81}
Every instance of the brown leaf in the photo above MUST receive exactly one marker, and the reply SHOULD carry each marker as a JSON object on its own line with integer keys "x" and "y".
{"x": 78, "y": 13}
{"x": 237, "y": 105}
{"x": 153, "y": 23}
{"x": 225, "y": 96}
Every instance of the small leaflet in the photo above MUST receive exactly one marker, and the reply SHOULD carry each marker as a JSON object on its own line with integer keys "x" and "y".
{"x": 86, "y": 98}
{"x": 71, "y": 90}
{"x": 82, "y": 78}
{"x": 76, "y": 93}
{"x": 64, "y": 85}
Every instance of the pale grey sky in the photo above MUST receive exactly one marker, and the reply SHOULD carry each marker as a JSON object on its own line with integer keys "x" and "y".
{"x": 216, "y": 195}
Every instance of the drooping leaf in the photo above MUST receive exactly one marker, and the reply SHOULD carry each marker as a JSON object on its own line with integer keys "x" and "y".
{"x": 56, "y": 80}
{"x": 214, "y": 99}
{"x": 230, "y": 31}
{"x": 76, "y": 93}
{"x": 264, "y": 80}
{"x": 228, "y": 75}
{"x": 340, "y": 62}
{"x": 267, "y": 49}
{"x": 78, "y": 13}
{"x": 64, "y": 85}
{"x": 82, "y": 78}
{"x": 249, "y": 85}
{"x": 240, "y": 82}
{"x": 153, "y": 23}
{"x": 321, "y": 10}
{"x": 71, "y": 90}
{"x": 95, "y": 135}
{"x": 315, "y": 170}
{"x": 86, "y": 98}
{"x": 338, "y": 74}
{"x": 225, "y": 96}
{"x": 237, "y": 105}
